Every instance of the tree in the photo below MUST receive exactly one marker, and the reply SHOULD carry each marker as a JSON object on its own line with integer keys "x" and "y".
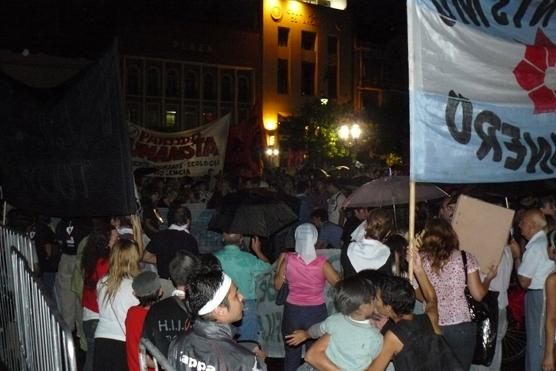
{"x": 314, "y": 130}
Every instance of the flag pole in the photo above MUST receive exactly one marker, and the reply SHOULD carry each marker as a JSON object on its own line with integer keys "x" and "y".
{"x": 411, "y": 225}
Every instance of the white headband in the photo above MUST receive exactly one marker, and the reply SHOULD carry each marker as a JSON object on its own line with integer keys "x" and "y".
{"x": 218, "y": 296}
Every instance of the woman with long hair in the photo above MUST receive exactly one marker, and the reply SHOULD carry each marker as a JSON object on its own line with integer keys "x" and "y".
{"x": 115, "y": 297}
{"x": 306, "y": 274}
{"x": 443, "y": 263}
{"x": 94, "y": 265}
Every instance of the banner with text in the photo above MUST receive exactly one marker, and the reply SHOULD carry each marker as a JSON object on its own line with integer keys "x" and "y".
{"x": 185, "y": 153}
{"x": 482, "y": 90}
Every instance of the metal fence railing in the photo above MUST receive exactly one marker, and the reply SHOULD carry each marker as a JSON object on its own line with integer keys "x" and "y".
{"x": 33, "y": 335}
{"x": 158, "y": 358}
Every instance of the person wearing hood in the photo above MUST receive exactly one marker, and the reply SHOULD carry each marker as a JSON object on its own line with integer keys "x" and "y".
{"x": 306, "y": 274}
{"x": 367, "y": 249}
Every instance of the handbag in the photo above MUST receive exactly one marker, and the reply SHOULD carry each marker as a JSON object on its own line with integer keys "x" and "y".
{"x": 282, "y": 294}
{"x": 485, "y": 314}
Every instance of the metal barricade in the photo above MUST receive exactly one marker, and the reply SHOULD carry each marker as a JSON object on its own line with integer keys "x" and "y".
{"x": 33, "y": 335}
{"x": 157, "y": 357}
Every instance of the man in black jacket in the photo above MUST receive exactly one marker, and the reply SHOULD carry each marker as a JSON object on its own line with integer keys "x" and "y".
{"x": 209, "y": 345}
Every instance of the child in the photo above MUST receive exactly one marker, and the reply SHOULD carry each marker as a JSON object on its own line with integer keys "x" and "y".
{"x": 413, "y": 343}
{"x": 354, "y": 341}
{"x": 146, "y": 288}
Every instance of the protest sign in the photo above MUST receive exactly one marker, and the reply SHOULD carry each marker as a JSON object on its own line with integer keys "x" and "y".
{"x": 185, "y": 153}
{"x": 482, "y": 90}
{"x": 270, "y": 314}
{"x": 482, "y": 229}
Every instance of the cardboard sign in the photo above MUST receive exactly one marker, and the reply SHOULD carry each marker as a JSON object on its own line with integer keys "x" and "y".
{"x": 482, "y": 229}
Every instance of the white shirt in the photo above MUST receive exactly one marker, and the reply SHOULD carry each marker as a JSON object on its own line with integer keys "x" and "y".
{"x": 112, "y": 314}
{"x": 536, "y": 264}
{"x": 334, "y": 206}
{"x": 501, "y": 282}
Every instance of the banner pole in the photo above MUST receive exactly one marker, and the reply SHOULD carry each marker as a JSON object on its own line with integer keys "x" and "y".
{"x": 411, "y": 226}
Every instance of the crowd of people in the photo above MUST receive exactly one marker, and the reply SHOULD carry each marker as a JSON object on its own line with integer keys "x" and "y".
{"x": 120, "y": 278}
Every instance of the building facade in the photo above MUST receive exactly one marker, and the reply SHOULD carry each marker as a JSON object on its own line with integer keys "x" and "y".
{"x": 307, "y": 54}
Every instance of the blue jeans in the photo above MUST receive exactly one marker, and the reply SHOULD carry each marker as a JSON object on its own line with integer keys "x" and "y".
{"x": 298, "y": 317}
{"x": 248, "y": 327}
{"x": 89, "y": 328}
{"x": 535, "y": 343}
{"x": 461, "y": 338}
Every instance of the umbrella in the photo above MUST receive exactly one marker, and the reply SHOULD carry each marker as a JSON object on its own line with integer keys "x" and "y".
{"x": 391, "y": 190}
{"x": 252, "y": 212}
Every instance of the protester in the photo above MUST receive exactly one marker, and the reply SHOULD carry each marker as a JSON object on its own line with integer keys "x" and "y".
{"x": 330, "y": 234}
{"x": 115, "y": 297}
{"x": 151, "y": 214}
{"x": 165, "y": 244}
{"x": 215, "y": 303}
{"x": 69, "y": 233}
{"x": 94, "y": 265}
{"x": 243, "y": 267}
{"x": 146, "y": 288}
{"x": 414, "y": 341}
{"x": 549, "y": 359}
{"x": 354, "y": 341}
{"x": 335, "y": 202}
{"x": 305, "y": 202}
{"x": 168, "y": 318}
{"x": 306, "y": 274}
{"x": 533, "y": 269}
{"x": 368, "y": 251}
{"x": 500, "y": 284}
{"x": 443, "y": 264}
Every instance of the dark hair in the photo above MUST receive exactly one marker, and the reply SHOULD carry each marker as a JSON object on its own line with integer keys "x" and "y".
{"x": 202, "y": 286}
{"x": 180, "y": 215}
{"x": 302, "y": 186}
{"x": 321, "y": 214}
{"x": 439, "y": 241}
{"x": 95, "y": 249}
{"x": 398, "y": 245}
{"x": 182, "y": 266}
{"x": 351, "y": 292}
{"x": 398, "y": 293}
{"x": 150, "y": 299}
{"x": 376, "y": 278}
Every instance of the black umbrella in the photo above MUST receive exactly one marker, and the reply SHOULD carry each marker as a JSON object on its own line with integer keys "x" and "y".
{"x": 253, "y": 212}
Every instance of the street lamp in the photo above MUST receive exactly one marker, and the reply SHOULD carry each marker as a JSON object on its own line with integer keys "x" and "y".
{"x": 349, "y": 132}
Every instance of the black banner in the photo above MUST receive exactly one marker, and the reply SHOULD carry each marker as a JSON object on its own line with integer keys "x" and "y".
{"x": 65, "y": 150}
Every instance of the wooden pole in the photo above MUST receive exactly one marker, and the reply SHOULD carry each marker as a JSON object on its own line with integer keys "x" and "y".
{"x": 411, "y": 225}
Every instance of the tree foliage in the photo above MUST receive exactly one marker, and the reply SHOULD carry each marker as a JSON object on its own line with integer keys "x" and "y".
{"x": 314, "y": 130}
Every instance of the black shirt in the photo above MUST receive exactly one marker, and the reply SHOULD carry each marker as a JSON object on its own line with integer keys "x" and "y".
{"x": 165, "y": 244}
{"x": 165, "y": 321}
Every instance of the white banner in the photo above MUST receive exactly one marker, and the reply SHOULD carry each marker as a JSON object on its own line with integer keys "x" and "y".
{"x": 185, "y": 153}
{"x": 482, "y": 90}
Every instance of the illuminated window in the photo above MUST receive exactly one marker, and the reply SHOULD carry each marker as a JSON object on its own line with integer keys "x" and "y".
{"x": 283, "y": 35}
{"x": 308, "y": 40}
{"x": 171, "y": 116}
{"x": 307, "y": 78}
{"x": 282, "y": 77}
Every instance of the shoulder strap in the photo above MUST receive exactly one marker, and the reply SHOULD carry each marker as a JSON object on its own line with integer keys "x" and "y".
{"x": 464, "y": 259}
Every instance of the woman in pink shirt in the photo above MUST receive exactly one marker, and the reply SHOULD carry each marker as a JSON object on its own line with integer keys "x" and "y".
{"x": 306, "y": 274}
{"x": 443, "y": 264}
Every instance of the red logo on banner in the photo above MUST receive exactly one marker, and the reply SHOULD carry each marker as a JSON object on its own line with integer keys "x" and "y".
{"x": 536, "y": 73}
